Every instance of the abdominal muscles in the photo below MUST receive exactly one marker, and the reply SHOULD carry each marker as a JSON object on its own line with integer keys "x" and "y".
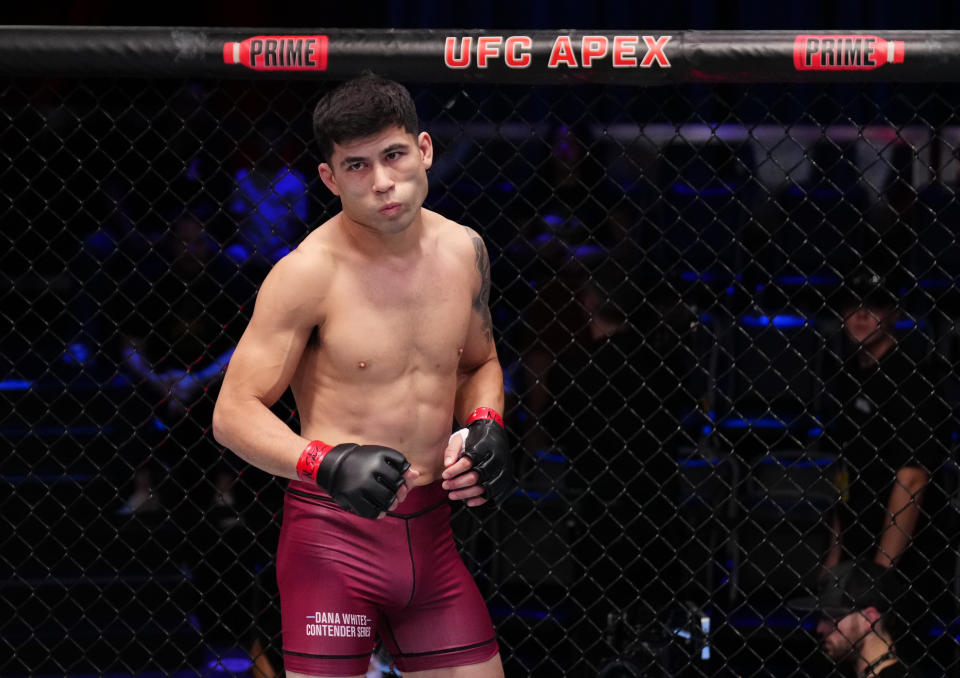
{"x": 410, "y": 410}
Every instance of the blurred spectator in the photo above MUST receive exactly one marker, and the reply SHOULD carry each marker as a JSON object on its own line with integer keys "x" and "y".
{"x": 888, "y": 427}
{"x": 858, "y": 625}
{"x": 196, "y": 294}
{"x": 178, "y": 341}
{"x": 175, "y": 348}
{"x": 269, "y": 203}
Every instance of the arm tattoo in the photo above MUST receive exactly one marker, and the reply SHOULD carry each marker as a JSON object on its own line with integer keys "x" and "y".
{"x": 481, "y": 302}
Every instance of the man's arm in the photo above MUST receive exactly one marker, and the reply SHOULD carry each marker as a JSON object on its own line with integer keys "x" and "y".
{"x": 835, "y": 549}
{"x": 286, "y": 311}
{"x": 479, "y": 376}
{"x": 479, "y": 382}
{"x": 903, "y": 513}
{"x": 364, "y": 479}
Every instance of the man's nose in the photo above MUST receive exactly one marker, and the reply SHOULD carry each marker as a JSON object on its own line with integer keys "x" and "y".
{"x": 382, "y": 180}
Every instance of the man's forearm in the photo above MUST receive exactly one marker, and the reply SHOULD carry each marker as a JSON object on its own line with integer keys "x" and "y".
{"x": 480, "y": 387}
{"x": 835, "y": 551}
{"x": 903, "y": 514}
{"x": 249, "y": 429}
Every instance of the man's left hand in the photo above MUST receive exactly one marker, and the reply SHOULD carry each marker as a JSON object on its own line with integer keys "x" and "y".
{"x": 477, "y": 463}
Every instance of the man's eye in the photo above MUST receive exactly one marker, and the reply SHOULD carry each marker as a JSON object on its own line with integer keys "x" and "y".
{"x": 394, "y": 155}
{"x": 354, "y": 166}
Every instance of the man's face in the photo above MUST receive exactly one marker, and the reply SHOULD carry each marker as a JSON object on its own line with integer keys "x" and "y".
{"x": 381, "y": 179}
{"x": 841, "y": 638}
{"x": 869, "y": 326}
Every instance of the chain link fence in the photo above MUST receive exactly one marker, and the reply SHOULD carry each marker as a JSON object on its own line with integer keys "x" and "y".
{"x": 676, "y": 274}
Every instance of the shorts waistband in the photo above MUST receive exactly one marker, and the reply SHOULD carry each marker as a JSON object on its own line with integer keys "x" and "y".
{"x": 419, "y": 500}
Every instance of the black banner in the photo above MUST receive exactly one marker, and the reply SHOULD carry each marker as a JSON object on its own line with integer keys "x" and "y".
{"x": 632, "y": 57}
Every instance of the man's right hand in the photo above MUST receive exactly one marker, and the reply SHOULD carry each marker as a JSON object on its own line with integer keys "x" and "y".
{"x": 364, "y": 479}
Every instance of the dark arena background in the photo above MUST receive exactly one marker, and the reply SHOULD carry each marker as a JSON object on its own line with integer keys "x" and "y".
{"x": 680, "y": 225}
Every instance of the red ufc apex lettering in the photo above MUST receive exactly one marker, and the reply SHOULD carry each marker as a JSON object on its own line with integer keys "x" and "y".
{"x": 623, "y": 51}
{"x": 279, "y": 52}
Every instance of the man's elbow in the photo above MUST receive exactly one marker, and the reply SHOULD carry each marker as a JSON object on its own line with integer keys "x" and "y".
{"x": 220, "y": 426}
{"x": 490, "y": 361}
{"x": 913, "y": 480}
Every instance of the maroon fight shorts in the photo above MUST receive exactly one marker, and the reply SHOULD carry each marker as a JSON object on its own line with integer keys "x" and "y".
{"x": 344, "y": 580}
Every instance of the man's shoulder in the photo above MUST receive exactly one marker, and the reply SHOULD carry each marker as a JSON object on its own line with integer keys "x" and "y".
{"x": 319, "y": 248}
{"x": 442, "y": 226}
{"x": 450, "y": 234}
{"x": 306, "y": 268}
{"x": 323, "y": 235}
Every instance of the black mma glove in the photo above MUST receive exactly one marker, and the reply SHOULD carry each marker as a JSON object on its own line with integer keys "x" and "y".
{"x": 363, "y": 479}
{"x": 487, "y": 448}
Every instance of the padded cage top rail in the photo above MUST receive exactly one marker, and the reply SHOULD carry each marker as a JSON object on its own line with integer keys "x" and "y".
{"x": 628, "y": 56}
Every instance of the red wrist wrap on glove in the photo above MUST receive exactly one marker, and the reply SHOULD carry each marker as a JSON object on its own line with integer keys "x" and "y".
{"x": 484, "y": 413}
{"x": 310, "y": 460}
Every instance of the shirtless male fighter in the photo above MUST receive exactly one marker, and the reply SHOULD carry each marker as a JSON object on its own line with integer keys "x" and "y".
{"x": 379, "y": 322}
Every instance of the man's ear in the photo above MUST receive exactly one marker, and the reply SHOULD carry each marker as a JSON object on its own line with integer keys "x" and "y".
{"x": 326, "y": 176}
{"x": 425, "y": 144}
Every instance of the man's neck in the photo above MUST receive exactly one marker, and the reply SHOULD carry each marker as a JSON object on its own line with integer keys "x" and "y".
{"x": 374, "y": 243}
{"x": 872, "y": 354}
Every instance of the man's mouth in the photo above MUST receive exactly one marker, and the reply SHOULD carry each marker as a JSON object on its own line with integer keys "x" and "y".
{"x": 390, "y": 209}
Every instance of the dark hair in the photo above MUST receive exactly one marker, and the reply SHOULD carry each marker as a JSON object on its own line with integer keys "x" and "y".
{"x": 360, "y": 108}
{"x": 856, "y": 585}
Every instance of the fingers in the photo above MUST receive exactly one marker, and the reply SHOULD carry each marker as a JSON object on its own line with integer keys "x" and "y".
{"x": 454, "y": 447}
{"x": 407, "y": 484}
{"x": 404, "y": 488}
{"x": 466, "y": 487}
{"x": 465, "y": 479}
{"x": 401, "y": 495}
{"x": 471, "y": 492}
{"x": 460, "y": 467}
{"x": 461, "y": 484}
{"x": 409, "y": 476}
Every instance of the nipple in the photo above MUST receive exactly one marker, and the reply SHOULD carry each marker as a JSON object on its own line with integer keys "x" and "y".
{"x": 460, "y": 351}
{"x": 361, "y": 364}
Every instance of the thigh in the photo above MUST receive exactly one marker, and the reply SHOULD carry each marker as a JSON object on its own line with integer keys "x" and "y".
{"x": 492, "y": 668}
{"x": 328, "y": 596}
{"x": 446, "y": 623}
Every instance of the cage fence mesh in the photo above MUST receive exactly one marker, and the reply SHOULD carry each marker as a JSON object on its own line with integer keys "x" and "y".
{"x": 679, "y": 279}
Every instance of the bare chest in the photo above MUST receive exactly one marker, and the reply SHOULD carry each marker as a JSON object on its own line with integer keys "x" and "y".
{"x": 387, "y": 324}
